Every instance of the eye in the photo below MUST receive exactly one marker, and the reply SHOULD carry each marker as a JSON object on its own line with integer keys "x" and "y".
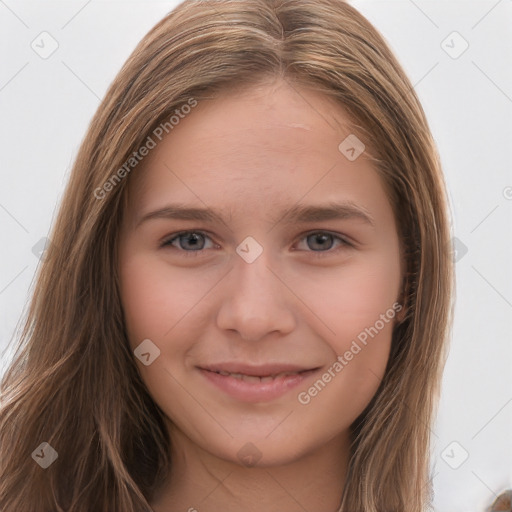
{"x": 189, "y": 241}
{"x": 321, "y": 241}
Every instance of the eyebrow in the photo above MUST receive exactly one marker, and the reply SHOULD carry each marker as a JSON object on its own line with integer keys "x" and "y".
{"x": 296, "y": 214}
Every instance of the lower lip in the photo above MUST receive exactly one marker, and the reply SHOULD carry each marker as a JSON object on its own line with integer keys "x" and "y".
{"x": 256, "y": 391}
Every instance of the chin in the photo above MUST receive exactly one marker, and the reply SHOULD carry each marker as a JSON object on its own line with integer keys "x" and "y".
{"x": 254, "y": 452}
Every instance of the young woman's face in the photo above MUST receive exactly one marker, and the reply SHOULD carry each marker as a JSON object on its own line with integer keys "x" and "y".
{"x": 262, "y": 261}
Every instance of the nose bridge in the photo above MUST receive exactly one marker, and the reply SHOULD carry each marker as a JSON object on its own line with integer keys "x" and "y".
{"x": 255, "y": 302}
{"x": 254, "y": 282}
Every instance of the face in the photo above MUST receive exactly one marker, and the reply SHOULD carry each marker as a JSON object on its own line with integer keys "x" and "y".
{"x": 262, "y": 263}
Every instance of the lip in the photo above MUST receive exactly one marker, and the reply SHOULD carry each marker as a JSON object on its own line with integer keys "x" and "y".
{"x": 263, "y": 370}
{"x": 256, "y": 383}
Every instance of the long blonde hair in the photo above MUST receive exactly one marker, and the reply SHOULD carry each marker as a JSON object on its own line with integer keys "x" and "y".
{"x": 74, "y": 383}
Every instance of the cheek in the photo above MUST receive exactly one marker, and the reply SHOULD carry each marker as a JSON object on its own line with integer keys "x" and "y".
{"x": 359, "y": 307}
{"x": 363, "y": 297}
{"x": 161, "y": 304}
{"x": 351, "y": 299}
{"x": 145, "y": 300}
{"x": 338, "y": 397}
{"x": 156, "y": 298}
{"x": 357, "y": 303}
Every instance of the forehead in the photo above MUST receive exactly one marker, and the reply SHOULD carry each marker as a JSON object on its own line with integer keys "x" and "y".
{"x": 256, "y": 149}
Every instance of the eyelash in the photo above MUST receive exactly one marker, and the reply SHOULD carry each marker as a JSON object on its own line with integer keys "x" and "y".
{"x": 166, "y": 243}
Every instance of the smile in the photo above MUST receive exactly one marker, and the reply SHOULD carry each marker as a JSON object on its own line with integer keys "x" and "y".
{"x": 256, "y": 384}
{"x": 256, "y": 378}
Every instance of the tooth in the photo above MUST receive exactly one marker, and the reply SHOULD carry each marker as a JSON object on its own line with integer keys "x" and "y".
{"x": 224, "y": 373}
{"x": 251, "y": 378}
{"x": 267, "y": 379}
{"x": 236, "y": 375}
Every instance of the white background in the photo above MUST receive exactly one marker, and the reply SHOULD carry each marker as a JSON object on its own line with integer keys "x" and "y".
{"x": 46, "y": 105}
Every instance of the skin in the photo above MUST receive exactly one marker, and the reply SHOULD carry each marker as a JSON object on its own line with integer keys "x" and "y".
{"x": 251, "y": 155}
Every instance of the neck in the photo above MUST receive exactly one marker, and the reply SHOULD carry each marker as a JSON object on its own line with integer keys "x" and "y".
{"x": 202, "y": 482}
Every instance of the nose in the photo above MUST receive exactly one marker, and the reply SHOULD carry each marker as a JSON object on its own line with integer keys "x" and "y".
{"x": 255, "y": 302}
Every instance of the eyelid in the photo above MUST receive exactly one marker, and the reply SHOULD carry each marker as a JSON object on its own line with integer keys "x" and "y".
{"x": 345, "y": 242}
{"x": 166, "y": 241}
{"x": 339, "y": 236}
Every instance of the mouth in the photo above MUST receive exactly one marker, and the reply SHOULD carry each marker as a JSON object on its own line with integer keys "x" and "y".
{"x": 256, "y": 378}
{"x": 256, "y": 383}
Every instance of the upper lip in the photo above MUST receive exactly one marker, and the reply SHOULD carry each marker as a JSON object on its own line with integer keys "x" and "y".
{"x": 264, "y": 370}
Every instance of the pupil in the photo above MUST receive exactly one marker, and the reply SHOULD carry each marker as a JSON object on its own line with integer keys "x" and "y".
{"x": 193, "y": 240}
{"x": 320, "y": 242}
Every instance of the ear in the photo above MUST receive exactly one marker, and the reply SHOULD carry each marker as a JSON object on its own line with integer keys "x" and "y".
{"x": 402, "y": 302}
{"x": 401, "y": 313}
